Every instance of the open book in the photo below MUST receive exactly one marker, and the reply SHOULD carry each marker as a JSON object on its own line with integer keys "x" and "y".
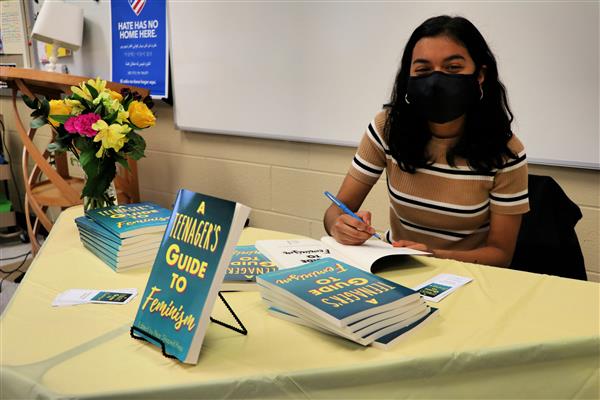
{"x": 291, "y": 253}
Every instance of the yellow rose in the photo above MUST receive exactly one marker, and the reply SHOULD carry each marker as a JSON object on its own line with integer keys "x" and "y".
{"x": 140, "y": 115}
{"x": 112, "y": 137}
{"x": 58, "y": 107}
{"x": 115, "y": 95}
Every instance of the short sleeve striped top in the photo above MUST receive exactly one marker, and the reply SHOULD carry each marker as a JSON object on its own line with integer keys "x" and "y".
{"x": 443, "y": 206}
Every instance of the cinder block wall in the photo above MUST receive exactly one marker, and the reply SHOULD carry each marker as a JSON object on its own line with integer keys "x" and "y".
{"x": 283, "y": 182}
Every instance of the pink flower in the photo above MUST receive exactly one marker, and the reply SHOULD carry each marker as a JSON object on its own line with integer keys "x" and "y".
{"x": 70, "y": 125}
{"x": 82, "y": 124}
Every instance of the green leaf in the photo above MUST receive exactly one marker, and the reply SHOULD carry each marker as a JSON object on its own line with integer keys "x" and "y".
{"x": 89, "y": 163}
{"x": 31, "y": 103}
{"x": 77, "y": 97}
{"x": 38, "y": 122}
{"x": 61, "y": 143}
{"x": 84, "y": 144}
{"x": 88, "y": 104}
{"x": 54, "y": 147}
{"x": 112, "y": 117}
{"x": 126, "y": 101}
{"x": 63, "y": 138}
{"x": 100, "y": 174}
{"x": 93, "y": 91}
{"x": 98, "y": 110}
{"x": 123, "y": 162}
{"x": 60, "y": 118}
{"x": 138, "y": 145}
{"x": 45, "y": 106}
{"x": 87, "y": 158}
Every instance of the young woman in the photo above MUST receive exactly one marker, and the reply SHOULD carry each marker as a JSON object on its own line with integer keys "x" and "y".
{"x": 456, "y": 174}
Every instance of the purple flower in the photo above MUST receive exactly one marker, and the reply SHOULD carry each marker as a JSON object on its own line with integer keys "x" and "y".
{"x": 82, "y": 124}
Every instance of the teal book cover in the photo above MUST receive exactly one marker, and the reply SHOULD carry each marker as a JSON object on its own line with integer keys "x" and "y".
{"x": 131, "y": 219}
{"x": 391, "y": 339}
{"x": 188, "y": 272}
{"x": 246, "y": 263}
{"x": 336, "y": 291}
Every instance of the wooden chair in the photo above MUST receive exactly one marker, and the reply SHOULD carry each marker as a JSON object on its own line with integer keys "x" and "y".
{"x": 50, "y": 184}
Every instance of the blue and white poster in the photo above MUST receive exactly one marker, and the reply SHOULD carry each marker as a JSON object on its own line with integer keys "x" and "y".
{"x": 139, "y": 44}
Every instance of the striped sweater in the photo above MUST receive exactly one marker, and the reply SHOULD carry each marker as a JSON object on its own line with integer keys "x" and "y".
{"x": 445, "y": 207}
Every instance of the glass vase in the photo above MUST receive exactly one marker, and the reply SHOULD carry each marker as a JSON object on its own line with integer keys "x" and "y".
{"x": 109, "y": 198}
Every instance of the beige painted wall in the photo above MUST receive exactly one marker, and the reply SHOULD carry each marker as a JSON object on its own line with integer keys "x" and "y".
{"x": 283, "y": 181}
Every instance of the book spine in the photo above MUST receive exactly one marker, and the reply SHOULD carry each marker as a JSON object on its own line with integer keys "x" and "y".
{"x": 96, "y": 229}
{"x": 241, "y": 213}
{"x": 315, "y": 310}
{"x": 106, "y": 260}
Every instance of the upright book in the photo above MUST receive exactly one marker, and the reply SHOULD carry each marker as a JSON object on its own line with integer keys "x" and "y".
{"x": 291, "y": 253}
{"x": 187, "y": 274}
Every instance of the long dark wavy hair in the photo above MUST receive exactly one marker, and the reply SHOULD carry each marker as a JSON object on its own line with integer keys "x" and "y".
{"x": 487, "y": 127}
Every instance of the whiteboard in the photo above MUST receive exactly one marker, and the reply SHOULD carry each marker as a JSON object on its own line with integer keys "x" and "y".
{"x": 319, "y": 71}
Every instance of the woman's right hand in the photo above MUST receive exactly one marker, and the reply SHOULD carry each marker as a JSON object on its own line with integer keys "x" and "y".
{"x": 349, "y": 230}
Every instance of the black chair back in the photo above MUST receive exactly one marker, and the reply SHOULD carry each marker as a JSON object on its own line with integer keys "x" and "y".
{"x": 547, "y": 242}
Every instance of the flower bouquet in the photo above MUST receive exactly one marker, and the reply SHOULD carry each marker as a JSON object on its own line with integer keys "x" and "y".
{"x": 98, "y": 126}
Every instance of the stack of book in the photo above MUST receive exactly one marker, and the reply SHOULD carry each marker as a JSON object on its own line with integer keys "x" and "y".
{"x": 125, "y": 236}
{"x": 339, "y": 299}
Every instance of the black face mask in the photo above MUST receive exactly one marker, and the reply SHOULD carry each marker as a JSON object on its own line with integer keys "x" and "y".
{"x": 441, "y": 97}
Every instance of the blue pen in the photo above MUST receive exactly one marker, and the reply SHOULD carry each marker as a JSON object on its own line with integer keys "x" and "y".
{"x": 346, "y": 210}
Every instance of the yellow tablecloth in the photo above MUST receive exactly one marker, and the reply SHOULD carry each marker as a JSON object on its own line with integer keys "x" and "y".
{"x": 507, "y": 334}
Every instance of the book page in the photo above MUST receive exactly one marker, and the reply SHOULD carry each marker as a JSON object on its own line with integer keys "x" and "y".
{"x": 293, "y": 252}
{"x": 365, "y": 255}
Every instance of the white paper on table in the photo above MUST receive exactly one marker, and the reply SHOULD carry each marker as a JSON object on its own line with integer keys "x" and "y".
{"x": 440, "y": 286}
{"x": 73, "y": 297}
